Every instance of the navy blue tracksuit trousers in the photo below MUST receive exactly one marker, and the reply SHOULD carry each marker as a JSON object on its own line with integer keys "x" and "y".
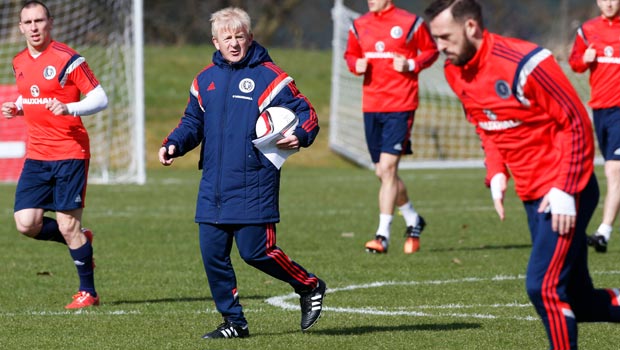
{"x": 257, "y": 247}
{"x": 558, "y": 282}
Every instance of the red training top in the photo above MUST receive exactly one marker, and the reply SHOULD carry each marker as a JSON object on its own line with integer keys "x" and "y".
{"x": 604, "y": 34}
{"x": 61, "y": 73}
{"x": 379, "y": 37}
{"x": 529, "y": 117}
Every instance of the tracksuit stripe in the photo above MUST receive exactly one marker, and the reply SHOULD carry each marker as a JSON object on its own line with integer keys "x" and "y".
{"x": 282, "y": 259}
{"x": 551, "y": 300}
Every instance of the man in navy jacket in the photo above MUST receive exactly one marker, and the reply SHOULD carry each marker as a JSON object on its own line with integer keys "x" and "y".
{"x": 238, "y": 195}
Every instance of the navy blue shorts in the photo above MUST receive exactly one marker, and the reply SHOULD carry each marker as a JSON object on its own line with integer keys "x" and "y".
{"x": 607, "y": 127}
{"x": 58, "y": 185}
{"x": 388, "y": 133}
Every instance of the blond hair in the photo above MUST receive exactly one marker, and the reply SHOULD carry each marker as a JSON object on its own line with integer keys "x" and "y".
{"x": 230, "y": 18}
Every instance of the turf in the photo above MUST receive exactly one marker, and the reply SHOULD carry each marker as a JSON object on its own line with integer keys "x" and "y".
{"x": 463, "y": 290}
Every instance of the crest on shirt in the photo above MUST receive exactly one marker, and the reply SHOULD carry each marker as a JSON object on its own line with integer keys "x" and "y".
{"x": 49, "y": 72}
{"x": 379, "y": 46}
{"x": 34, "y": 91}
{"x": 247, "y": 85}
{"x": 609, "y": 51}
{"x": 502, "y": 89}
{"x": 396, "y": 32}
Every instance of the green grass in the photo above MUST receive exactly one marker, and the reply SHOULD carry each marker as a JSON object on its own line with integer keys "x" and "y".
{"x": 155, "y": 294}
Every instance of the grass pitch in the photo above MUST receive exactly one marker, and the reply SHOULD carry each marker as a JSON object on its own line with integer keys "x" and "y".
{"x": 463, "y": 290}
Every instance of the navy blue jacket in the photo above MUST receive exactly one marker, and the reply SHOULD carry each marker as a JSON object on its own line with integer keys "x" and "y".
{"x": 238, "y": 185}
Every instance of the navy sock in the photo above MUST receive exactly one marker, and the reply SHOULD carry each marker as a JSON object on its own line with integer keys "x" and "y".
{"x": 83, "y": 259}
{"x": 50, "y": 231}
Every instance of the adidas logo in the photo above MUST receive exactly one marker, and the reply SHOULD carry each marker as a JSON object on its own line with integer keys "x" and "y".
{"x": 211, "y": 86}
{"x": 78, "y": 199}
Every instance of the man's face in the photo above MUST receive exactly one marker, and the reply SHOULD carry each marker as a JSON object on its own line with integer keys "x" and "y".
{"x": 36, "y": 27}
{"x": 609, "y": 8}
{"x": 451, "y": 38}
{"x": 232, "y": 44}
{"x": 378, "y": 5}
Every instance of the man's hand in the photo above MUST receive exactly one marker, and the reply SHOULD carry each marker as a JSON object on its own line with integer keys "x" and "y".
{"x": 401, "y": 64}
{"x": 361, "y": 65}
{"x": 9, "y": 110}
{"x": 563, "y": 212}
{"x": 589, "y": 55}
{"x": 498, "y": 188}
{"x": 289, "y": 142}
{"x": 166, "y": 155}
{"x": 57, "y": 107}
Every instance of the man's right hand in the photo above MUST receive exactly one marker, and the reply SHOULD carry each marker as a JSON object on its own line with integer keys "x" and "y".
{"x": 589, "y": 55}
{"x": 361, "y": 65}
{"x": 9, "y": 110}
{"x": 166, "y": 155}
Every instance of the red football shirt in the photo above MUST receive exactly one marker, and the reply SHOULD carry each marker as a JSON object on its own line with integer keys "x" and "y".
{"x": 529, "y": 117}
{"x": 604, "y": 34}
{"x": 378, "y": 37}
{"x": 58, "y": 72}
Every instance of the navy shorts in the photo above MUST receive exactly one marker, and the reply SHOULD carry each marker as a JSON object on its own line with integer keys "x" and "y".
{"x": 58, "y": 185}
{"x": 607, "y": 127}
{"x": 388, "y": 133}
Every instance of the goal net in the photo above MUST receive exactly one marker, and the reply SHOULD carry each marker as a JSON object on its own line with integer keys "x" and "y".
{"x": 441, "y": 135}
{"x": 108, "y": 33}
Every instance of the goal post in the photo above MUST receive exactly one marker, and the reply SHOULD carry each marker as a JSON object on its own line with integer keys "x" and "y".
{"x": 441, "y": 136}
{"x": 108, "y": 33}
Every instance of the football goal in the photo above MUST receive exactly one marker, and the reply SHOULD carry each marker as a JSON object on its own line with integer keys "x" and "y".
{"x": 441, "y": 135}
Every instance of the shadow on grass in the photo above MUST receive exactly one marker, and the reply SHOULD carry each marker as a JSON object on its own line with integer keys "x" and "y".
{"x": 482, "y": 247}
{"x": 175, "y": 300}
{"x": 433, "y": 327}
{"x": 362, "y": 330}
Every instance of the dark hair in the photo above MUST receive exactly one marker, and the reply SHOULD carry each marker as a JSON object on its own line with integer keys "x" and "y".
{"x": 32, "y": 3}
{"x": 461, "y": 10}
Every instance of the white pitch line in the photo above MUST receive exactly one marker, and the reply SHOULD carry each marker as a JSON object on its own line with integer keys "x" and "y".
{"x": 282, "y": 300}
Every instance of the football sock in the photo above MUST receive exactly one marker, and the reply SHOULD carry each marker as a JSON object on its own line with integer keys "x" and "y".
{"x": 409, "y": 213}
{"x": 83, "y": 259}
{"x": 50, "y": 231}
{"x": 385, "y": 221}
{"x": 605, "y": 231}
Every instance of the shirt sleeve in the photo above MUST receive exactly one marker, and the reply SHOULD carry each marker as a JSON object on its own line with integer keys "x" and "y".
{"x": 353, "y": 51}
{"x": 548, "y": 89}
{"x": 426, "y": 45}
{"x": 189, "y": 132}
{"x": 575, "y": 60}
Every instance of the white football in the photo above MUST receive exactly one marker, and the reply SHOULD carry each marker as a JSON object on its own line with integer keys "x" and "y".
{"x": 276, "y": 120}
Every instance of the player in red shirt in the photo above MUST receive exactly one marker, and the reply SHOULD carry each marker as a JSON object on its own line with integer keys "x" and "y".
{"x": 597, "y": 48}
{"x": 50, "y": 78}
{"x": 390, "y": 46}
{"x": 534, "y": 128}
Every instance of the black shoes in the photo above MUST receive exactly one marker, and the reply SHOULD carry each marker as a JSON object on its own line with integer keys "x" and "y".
{"x": 228, "y": 330}
{"x": 311, "y": 305}
{"x": 598, "y": 242}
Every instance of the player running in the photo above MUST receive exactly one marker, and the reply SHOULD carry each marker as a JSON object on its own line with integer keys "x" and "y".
{"x": 389, "y": 47}
{"x": 534, "y": 128}
{"x": 50, "y": 78}
{"x": 597, "y": 48}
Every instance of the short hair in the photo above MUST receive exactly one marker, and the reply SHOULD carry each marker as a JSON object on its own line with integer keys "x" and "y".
{"x": 32, "y": 3}
{"x": 461, "y": 10}
{"x": 231, "y": 18}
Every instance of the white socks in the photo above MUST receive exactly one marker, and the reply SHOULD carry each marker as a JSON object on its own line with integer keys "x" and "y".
{"x": 409, "y": 213}
{"x": 385, "y": 221}
{"x": 605, "y": 231}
